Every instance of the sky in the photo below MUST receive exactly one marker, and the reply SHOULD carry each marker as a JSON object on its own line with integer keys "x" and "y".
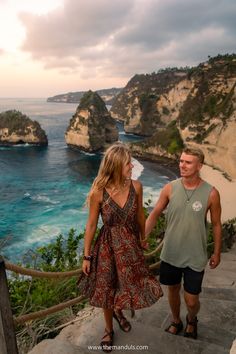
{"x": 48, "y": 47}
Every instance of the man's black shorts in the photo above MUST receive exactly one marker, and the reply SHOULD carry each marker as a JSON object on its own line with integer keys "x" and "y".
{"x": 171, "y": 275}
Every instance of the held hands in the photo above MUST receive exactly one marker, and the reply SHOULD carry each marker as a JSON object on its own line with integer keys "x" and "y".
{"x": 214, "y": 261}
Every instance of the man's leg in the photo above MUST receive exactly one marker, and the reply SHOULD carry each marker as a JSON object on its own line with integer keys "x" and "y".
{"x": 171, "y": 276}
{"x": 174, "y": 302}
{"x": 192, "y": 289}
{"x": 193, "y": 307}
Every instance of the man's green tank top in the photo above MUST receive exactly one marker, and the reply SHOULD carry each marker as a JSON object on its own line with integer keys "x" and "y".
{"x": 185, "y": 241}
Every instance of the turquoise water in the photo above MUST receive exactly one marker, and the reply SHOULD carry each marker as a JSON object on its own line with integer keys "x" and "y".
{"x": 43, "y": 190}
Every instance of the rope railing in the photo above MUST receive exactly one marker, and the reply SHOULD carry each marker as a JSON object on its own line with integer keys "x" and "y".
{"x": 40, "y": 274}
{"x": 157, "y": 249}
{"x": 43, "y": 313}
{"x": 9, "y": 321}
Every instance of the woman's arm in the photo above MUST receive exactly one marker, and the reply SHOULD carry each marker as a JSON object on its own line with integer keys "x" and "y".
{"x": 91, "y": 226}
{"x": 140, "y": 213}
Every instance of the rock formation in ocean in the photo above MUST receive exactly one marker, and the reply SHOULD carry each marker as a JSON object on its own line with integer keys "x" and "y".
{"x": 91, "y": 127}
{"x": 17, "y": 128}
{"x": 200, "y": 100}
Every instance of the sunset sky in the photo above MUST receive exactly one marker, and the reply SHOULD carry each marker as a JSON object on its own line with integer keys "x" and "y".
{"x": 49, "y": 47}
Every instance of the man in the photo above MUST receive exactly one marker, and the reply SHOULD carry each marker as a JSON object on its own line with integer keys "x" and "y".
{"x": 184, "y": 252}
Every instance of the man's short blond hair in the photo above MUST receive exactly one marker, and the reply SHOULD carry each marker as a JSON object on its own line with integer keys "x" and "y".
{"x": 189, "y": 150}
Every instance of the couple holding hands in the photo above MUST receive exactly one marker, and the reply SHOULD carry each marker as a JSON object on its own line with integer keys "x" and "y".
{"x": 115, "y": 275}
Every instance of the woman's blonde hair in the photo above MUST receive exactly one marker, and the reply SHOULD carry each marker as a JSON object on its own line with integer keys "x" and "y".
{"x": 110, "y": 170}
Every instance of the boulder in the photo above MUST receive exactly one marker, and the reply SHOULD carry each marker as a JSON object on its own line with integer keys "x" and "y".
{"x": 92, "y": 126}
{"x": 55, "y": 346}
{"x": 17, "y": 128}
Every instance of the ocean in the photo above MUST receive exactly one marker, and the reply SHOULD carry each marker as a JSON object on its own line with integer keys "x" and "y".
{"x": 43, "y": 190}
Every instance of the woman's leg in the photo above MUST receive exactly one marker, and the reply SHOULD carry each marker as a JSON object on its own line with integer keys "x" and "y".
{"x": 122, "y": 320}
{"x": 108, "y": 319}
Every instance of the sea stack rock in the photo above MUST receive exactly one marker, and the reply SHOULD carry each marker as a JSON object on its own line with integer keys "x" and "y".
{"x": 17, "y": 128}
{"x": 92, "y": 126}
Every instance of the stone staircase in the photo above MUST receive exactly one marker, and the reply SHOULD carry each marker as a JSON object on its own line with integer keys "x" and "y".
{"x": 217, "y": 323}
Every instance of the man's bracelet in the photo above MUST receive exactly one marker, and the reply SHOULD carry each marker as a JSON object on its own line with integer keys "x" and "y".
{"x": 88, "y": 258}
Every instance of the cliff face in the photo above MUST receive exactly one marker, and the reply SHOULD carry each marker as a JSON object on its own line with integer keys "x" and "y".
{"x": 142, "y": 103}
{"x": 91, "y": 127}
{"x": 208, "y": 116}
{"x": 17, "y": 128}
{"x": 201, "y": 101}
{"x": 108, "y": 96}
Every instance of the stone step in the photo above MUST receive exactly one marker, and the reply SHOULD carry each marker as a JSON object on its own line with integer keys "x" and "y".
{"x": 217, "y": 330}
{"x": 221, "y": 278}
{"x": 148, "y": 339}
{"x": 219, "y": 293}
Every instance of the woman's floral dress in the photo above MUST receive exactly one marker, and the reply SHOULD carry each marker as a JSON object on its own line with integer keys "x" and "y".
{"x": 119, "y": 276}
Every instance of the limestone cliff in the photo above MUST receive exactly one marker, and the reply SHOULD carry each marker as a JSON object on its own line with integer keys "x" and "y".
{"x": 17, "y": 128}
{"x": 208, "y": 116}
{"x": 144, "y": 104}
{"x": 92, "y": 126}
{"x": 108, "y": 96}
{"x": 202, "y": 102}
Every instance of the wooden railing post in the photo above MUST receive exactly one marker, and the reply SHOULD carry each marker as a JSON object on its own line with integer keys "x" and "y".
{"x": 8, "y": 344}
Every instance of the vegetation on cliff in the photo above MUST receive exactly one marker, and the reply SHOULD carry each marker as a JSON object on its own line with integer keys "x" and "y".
{"x": 19, "y": 124}
{"x": 168, "y": 139}
{"x": 108, "y": 95}
{"x": 147, "y": 88}
{"x": 31, "y": 294}
{"x": 209, "y": 102}
{"x": 201, "y": 99}
{"x": 91, "y": 98}
{"x": 91, "y": 127}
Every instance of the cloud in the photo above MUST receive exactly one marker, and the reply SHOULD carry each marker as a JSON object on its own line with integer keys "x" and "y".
{"x": 124, "y": 37}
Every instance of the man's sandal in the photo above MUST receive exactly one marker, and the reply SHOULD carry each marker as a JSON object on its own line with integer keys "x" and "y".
{"x": 193, "y": 323}
{"x": 122, "y": 321}
{"x": 178, "y": 326}
{"x": 107, "y": 344}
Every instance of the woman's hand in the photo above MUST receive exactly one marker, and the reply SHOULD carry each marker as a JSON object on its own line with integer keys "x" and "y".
{"x": 86, "y": 267}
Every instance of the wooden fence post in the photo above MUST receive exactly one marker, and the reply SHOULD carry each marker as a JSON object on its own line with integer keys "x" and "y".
{"x": 8, "y": 343}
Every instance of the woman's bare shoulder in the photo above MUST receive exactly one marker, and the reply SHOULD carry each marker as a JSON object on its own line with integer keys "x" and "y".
{"x": 96, "y": 196}
{"x": 137, "y": 185}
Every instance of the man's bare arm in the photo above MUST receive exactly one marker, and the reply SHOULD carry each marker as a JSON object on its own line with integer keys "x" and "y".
{"x": 215, "y": 211}
{"x": 158, "y": 209}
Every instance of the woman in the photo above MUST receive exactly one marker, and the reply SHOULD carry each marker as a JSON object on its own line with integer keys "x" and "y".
{"x": 116, "y": 274}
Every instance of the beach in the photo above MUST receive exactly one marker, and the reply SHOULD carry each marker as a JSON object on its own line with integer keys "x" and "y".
{"x": 226, "y": 188}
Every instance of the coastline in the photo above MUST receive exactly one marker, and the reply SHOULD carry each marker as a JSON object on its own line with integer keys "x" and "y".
{"x": 160, "y": 164}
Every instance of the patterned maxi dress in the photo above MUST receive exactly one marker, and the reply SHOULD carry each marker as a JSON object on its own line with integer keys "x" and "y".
{"x": 119, "y": 276}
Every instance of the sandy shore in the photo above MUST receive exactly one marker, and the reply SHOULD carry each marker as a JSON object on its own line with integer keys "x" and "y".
{"x": 226, "y": 189}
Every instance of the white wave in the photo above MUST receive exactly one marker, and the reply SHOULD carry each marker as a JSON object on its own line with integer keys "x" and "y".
{"x": 43, "y": 233}
{"x": 137, "y": 169}
{"x": 48, "y": 210}
{"x": 27, "y": 195}
{"x": 87, "y": 153}
{"x": 21, "y": 145}
{"x": 151, "y": 194}
{"x": 44, "y": 199}
{"x": 164, "y": 177}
